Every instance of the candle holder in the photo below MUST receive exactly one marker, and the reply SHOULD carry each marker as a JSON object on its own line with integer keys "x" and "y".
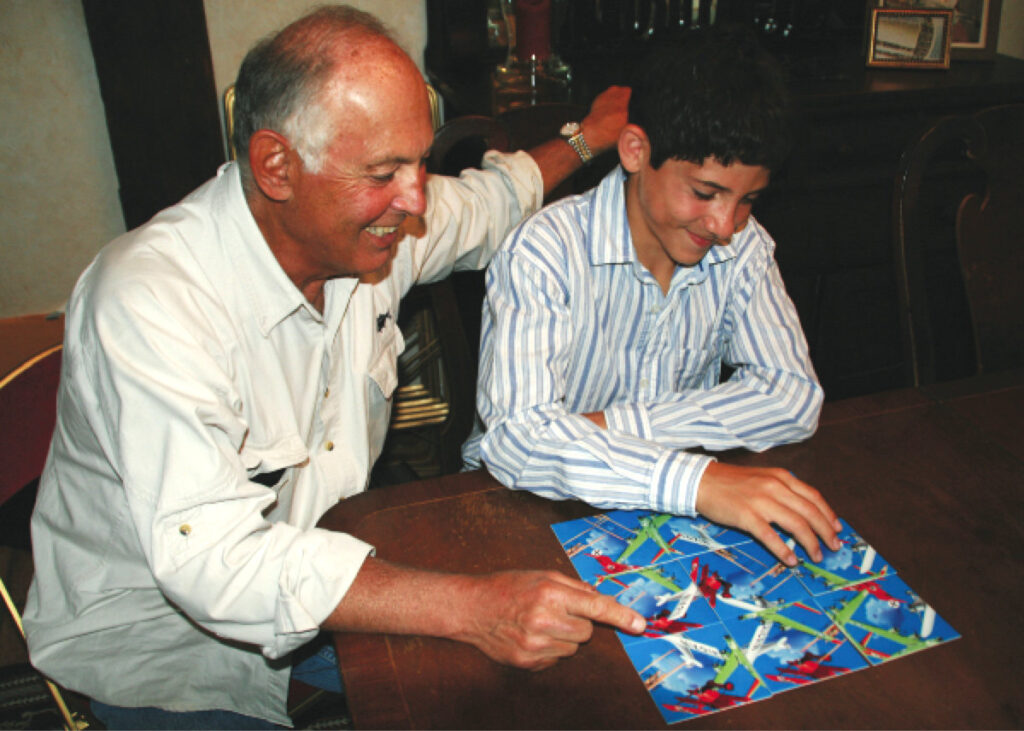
{"x": 532, "y": 71}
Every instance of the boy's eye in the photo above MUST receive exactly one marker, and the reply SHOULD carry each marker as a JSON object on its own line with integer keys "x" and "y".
{"x": 702, "y": 196}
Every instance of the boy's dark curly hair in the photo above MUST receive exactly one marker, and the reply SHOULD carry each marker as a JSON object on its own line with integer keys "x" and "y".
{"x": 714, "y": 93}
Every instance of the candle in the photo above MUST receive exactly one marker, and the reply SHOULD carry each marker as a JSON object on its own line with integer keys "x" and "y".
{"x": 533, "y": 29}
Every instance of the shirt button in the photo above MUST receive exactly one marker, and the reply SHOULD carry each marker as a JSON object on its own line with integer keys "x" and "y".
{"x": 643, "y": 383}
{"x": 327, "y": 392}
{"x": 185, "y": 529}
{"x": 329, "y": 446}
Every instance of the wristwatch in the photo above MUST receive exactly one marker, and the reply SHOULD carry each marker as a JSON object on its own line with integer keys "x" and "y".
{"x": 572, "y": 133}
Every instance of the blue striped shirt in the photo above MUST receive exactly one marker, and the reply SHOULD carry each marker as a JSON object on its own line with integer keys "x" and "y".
{"x": 573, "y": 324}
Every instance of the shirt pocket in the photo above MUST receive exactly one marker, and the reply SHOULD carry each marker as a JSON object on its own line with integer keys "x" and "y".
{"x": 263, "y": 460}
{"x": 381, "y": 382}
{"x": 388, "y": 344}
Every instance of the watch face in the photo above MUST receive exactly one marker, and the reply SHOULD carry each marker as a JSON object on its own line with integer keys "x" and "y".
{"x": 569, "y": 129}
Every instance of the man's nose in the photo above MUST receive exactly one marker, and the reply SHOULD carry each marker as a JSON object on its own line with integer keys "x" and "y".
{"x": 412, "y": 198}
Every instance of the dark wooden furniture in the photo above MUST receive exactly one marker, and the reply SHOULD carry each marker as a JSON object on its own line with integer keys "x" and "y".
{"x": 988, "y": 145}
{"x": 931, "y": 477}
{"x": 830, "y": 210}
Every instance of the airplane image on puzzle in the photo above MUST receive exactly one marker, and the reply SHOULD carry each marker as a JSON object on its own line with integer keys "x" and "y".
{"x": 727, "y": 624}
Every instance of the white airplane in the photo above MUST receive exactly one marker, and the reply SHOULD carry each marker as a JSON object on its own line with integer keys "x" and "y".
{"x": 685, "y": 598}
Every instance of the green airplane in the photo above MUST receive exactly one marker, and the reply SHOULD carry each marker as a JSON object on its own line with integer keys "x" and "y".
{"x": 835, "y": 581}
{"x": 773, "y": 615}
{"x": 614, "y": 569}
{"x": 733, "y": 659}
{"x": 844, "y": 618}
{"x": 648, "y": 530}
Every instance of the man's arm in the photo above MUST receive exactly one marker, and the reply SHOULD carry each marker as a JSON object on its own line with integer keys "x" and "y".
{"x": 529, "y": 619}
{"x": 608, "y": 115}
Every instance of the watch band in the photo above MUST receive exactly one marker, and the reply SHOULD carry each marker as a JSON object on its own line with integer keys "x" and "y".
{"x": 572, "y": 133}
{"x": 582, "y": 148}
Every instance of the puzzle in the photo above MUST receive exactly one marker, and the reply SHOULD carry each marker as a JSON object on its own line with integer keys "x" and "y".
{"x": 728, "y": 624}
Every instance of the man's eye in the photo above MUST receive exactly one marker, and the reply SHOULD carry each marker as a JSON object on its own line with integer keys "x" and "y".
{"x": 385, "y": 178}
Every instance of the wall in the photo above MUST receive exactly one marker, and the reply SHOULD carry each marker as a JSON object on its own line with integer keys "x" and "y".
{"x": 58, "y": 193}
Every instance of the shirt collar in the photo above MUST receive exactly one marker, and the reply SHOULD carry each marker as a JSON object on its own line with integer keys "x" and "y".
{"x": 611, "y": 241}
{"x": 268, "y": 293}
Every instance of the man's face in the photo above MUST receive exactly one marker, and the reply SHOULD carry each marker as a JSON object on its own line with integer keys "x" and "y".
{"x": 346, "y": 218}
{"x": 682, "y": 209}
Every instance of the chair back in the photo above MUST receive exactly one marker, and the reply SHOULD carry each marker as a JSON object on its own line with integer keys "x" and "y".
{"x": 986, "y": 148}
{"x": 435, "y": 401}
{"x": 28, "y": 412}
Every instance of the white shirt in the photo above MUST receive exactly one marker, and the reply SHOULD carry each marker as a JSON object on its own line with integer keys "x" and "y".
{"x": 574, "y": 324}
{"x": 165, "y": 575}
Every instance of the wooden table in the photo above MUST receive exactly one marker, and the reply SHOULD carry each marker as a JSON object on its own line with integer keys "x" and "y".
{"x": 931, "y": 477}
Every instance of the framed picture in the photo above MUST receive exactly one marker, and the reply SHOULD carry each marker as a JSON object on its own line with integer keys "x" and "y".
{"x": 974, "y": 33}
{"x": 910, "y": 38}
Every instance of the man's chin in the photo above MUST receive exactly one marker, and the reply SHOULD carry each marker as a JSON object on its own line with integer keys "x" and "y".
{"x": 381, "y": 273}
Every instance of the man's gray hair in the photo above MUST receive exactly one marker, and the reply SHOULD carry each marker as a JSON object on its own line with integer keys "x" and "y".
{"x": 281, "y": 82}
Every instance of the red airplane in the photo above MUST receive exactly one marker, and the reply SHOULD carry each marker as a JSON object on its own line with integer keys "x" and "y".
{"x": 660, "y": 624}
{"x": 610, "y": 566}
{"x": 806, "y": 670}
{"x": 708, "y": 698}
{"x": 709, "y": 585}
{"x": 872, "y": 588}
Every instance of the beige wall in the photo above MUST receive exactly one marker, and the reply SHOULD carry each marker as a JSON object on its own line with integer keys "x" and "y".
{"x": 58, "y": 191}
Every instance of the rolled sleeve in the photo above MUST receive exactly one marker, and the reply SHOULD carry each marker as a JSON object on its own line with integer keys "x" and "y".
{"x": 317, "y": 575}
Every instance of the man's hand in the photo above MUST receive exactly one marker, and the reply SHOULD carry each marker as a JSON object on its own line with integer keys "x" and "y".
{"x": 608, "y": 114}
{"x": 752, "y": 498}
{"x": 531, "y": 619}
{"x": 601, "y": 127}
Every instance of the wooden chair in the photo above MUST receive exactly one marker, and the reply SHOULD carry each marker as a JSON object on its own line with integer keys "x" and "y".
{"x": 989, "y": 144}
{"x": 435, "y": 400}
{"x": 28, "y": 412}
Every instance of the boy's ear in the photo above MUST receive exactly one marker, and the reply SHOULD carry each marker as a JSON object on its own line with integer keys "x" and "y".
{"x": 272, "y": 162}
{"x": 634, "y": 148}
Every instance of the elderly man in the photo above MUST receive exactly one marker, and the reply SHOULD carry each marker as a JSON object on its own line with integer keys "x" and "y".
{"x": 227, "y": 375}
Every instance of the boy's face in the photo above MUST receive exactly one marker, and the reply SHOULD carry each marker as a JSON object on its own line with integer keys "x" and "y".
{"x": 679, "y": 211}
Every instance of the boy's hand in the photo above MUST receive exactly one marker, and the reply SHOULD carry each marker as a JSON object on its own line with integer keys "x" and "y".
{"x": 752, "y": 498}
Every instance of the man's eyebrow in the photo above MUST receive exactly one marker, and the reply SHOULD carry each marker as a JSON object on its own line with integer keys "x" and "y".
{"x": 397, "y": 160}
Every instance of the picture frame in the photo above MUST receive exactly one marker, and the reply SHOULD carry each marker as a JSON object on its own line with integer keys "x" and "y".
{"x": 909, "y": 38}
{"x": 975, "y": 30}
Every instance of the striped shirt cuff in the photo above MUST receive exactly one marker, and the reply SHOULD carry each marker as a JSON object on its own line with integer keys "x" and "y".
{"x": 675, "y": 479}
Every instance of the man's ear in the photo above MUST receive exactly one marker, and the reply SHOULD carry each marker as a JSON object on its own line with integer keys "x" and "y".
{"x": 634, "y": 148}
{"x": 272, "y": 163}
